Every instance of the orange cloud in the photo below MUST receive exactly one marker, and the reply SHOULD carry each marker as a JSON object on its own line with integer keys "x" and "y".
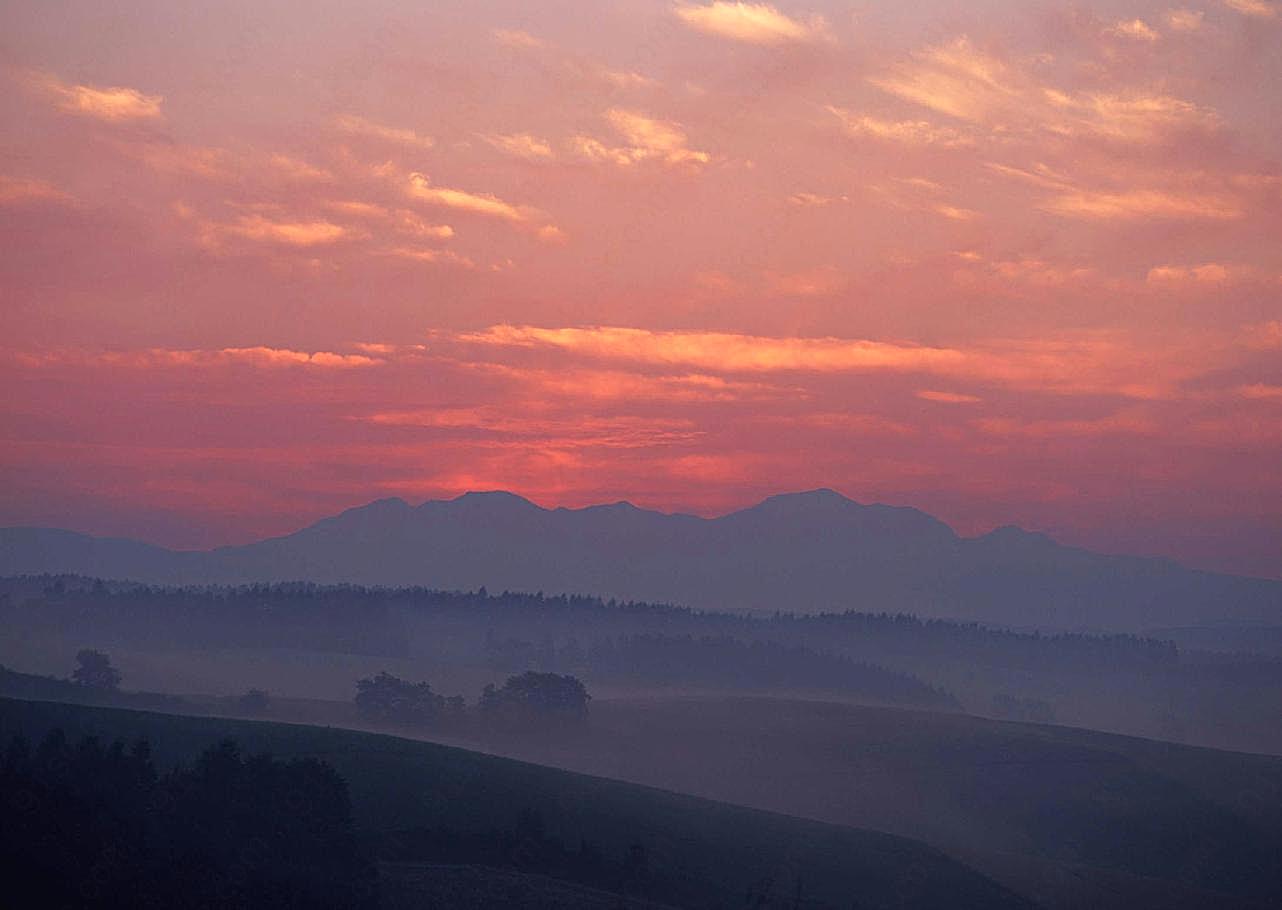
{"x": 297, "y": 169}
{"x": 1128, "y": 205}
{"x": 1136, "y": 29}
{"x": 511, "y": 37}
{"x": 16, "y": 190}
{"x": 962, "y": 81}
{"x": 1257, "y": 9}
{"x": 946, "y": 397}
{"x": 1184, "y": 20}
{"x": 258, "y": 355}
{"x": 1208, "y": 273}
{"x": 184, "y": 160}
{"x": 420, "y": 187}
{"x": 420, "y": 254}
{"x": 721, "y": 351}
{"x": 402, "y": 221}
{"x": 819, "y": 282}
{"x": 114, "y": 104}
{"x": 752, "y": 23}
{"x": 814, "y": 200}
{"x": 920, "y": 194}
{"x": 1263, "y": 337}
{"x": 904, "y": 132}
{"x": 647, "y": 139}
{"x": 1117, "y": 424}
{"x": 574, "y": 431}
{"x": 522, "y": 145}
{"x": 290, "y": 233}
{"x": 359, "y": 126}
{"x": 1260, "y": 391}
{"x": 1094, "y": 363}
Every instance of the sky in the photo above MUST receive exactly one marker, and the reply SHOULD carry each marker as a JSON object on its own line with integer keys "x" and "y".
{"x": 1007, "y": 262}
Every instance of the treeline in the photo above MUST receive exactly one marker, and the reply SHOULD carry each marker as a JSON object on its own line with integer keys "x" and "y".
{"x": 718, "y": 662}
{"x": 94, "y": 825}
{"x": 380, "y": 621}
{"x": 528, "y": 847}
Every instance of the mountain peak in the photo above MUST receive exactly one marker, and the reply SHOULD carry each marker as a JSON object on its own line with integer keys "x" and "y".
{"x": 821, "y": 497}
{"x": 496, "y": 498}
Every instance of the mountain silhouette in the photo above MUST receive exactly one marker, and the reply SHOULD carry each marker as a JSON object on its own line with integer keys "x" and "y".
{"x": 798, "y": 552}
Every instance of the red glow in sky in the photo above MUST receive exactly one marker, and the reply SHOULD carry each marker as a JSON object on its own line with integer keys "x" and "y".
{"x": 1006, "y": 262}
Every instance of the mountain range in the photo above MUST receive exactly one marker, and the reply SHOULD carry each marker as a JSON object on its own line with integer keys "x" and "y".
{"x": 800, "y": 552}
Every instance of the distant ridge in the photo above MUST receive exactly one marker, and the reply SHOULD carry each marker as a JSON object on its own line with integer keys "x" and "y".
{"x": 800, "y": 552}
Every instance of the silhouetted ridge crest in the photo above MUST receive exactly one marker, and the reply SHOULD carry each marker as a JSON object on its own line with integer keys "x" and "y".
{"x": 810, "y": 551}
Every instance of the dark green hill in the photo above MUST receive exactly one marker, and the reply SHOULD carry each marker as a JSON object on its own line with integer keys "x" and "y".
{"x": 697, "y": 853}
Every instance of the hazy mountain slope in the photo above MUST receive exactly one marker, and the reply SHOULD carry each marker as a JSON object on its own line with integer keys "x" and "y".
{"x": 799, "y": 552}
{"x": 701, "y": 853}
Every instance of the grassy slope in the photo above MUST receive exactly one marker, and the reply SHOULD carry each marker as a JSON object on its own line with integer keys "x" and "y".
{"x": 1071, "y": 797}
{"x": 709, "y": 854}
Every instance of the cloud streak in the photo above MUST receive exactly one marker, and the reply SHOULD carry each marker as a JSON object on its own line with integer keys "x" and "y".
{"x": 752, "y": 23}
{"x": 113, "y": 104}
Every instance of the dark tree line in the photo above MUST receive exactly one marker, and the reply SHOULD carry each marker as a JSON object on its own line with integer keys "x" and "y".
{"x": 539, "y": 700}
{"x": 526, "y": 846}
{"x": 93, "y": 826}
{"x": 371, "y": 620}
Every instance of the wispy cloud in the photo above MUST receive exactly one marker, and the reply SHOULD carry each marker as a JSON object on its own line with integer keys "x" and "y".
{"x": 431, "y": 255}
{"x": 647, "y": 138}
{"x": 1257, "y": 9}
{"x": 1135, "y": 29}
{"x": 257, "y": 356}
{"x": 421, "y": 188}
{"x": 815, "y": 200}
{"x": 290, "y": 233}
{"x": 110, "y": 103}
{"x": 753, "y": 23}
{"x": 297, "y": 169}
{"x": 946, "y": 397}
{"x": 1207, "y": 273}
{"x": 1137, "y": 204}
{"x": 1091, "y": 364}
{"x": 18, "y": 190}
{"x": 903, "y": 132}
{"x": 962, "y": 81}
{"x": 522, "y": 145}
{"x": 399, "y": 220}
{"x": 1184, "y": 20}
{"x": 359, "y": 126}
{"x": 183, "y": 160}
{"x": 513, "y": 37}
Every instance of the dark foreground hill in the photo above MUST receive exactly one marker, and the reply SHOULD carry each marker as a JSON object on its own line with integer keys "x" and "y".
{"x": 683, "y": 851}
{"x": 802, "y": 552}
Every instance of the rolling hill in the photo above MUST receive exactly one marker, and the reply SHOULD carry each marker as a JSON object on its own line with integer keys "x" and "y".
{"x": 700, "y": 853}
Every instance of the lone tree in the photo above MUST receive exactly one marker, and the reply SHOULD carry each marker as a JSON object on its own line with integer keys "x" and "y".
{"x": 537, "y": 697}
{"x": 388, "y": 699}
{"x": 95, "y": 671}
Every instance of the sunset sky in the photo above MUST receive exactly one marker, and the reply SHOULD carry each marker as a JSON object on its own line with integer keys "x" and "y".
{"x": 1008, "y": 262}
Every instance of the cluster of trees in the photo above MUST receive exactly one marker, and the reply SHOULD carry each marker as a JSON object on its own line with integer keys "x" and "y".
{"x": 88, "y": 825}
{"x": 94, "y": 671}
{"x": 723, "y": 662}
{"x": 532, "y": 698}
